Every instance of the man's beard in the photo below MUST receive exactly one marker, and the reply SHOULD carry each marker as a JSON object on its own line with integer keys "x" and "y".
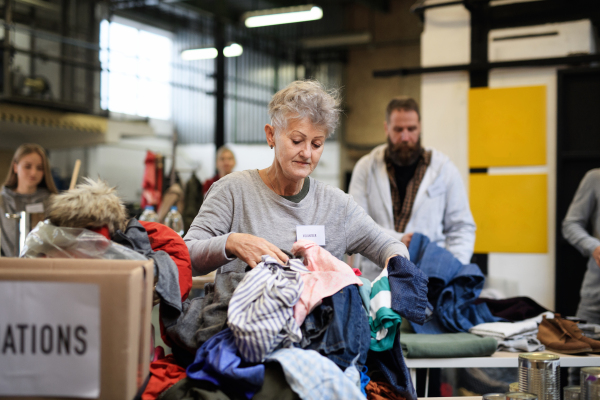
{"x": 404, "y": 154}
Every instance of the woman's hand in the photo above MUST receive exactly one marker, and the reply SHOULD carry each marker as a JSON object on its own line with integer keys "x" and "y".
{"x": 596, "y": 255}
{"x": 250, "y": 249}
{"x": 389, "y": 258}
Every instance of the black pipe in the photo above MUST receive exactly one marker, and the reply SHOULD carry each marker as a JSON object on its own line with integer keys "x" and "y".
{"x": 538, "y": 62}
{"x": 420, "y": 9}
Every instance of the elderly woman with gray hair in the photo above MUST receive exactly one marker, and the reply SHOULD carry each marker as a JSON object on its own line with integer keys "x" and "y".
{"x": 252, "y": 213}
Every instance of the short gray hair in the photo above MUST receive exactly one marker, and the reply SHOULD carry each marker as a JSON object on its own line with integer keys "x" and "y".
{"x": 306, "y": 99}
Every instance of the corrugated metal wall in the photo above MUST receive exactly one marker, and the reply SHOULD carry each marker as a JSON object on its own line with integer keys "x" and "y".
{"x": 194, "y": 85}
{"x": 266, "y": 65}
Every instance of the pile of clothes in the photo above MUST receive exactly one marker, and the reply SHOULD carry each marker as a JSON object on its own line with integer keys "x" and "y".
{"x": 515, "y": 336}
{"x": 309, "y": 329}
{"x": 530, "y": 327}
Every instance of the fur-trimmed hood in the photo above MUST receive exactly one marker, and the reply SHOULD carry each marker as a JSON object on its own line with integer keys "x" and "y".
{"x": 92, "y": 204}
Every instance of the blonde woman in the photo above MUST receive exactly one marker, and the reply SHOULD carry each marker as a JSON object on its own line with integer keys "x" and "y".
{"x": 29, "y": 182}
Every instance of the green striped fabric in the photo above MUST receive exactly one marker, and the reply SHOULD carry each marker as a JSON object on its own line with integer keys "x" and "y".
{"x": 384, "y": 321}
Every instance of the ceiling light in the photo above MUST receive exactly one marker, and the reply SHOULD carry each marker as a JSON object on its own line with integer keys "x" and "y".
{"x": 233, "y": 50}
{"x": 285, "y": 15}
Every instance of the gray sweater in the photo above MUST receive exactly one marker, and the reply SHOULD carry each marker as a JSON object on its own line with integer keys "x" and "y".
{"x": 585, "y": 208}
{"x": 12, "y": 202}
{"x": 241, "y": 202}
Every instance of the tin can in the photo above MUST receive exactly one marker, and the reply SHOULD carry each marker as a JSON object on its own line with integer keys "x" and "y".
{"x": 520, "y": 396}
{"x": 571, "y": 392}
{"x": 539, "y": 373}
{"x": 494, "y": 396}
{"x": 590, "y": 383}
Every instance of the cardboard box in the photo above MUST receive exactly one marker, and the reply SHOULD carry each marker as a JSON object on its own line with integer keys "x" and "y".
{"x": 124, "y": 294}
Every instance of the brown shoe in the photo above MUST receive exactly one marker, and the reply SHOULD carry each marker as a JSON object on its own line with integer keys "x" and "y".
{"x": 571, "y": 328}
{"x": 556, "y": 339}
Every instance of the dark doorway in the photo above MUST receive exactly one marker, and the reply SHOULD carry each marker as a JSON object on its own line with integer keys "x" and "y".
{"x": 578, "y": 151}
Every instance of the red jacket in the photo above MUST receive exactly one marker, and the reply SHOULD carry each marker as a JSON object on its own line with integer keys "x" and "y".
{"x": 164, "y": 238}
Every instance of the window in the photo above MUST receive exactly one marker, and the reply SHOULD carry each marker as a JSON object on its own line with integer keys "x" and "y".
{"x": 136, "y": 70}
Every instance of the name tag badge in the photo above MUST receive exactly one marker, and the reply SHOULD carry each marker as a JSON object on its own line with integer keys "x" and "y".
{"x": 314, "y": 233}
{"x": 35, "y": 208}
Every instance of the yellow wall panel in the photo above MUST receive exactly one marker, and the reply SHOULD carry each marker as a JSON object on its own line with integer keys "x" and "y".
{"x": 507, "y": 126}
{"x": 510, "y": 212}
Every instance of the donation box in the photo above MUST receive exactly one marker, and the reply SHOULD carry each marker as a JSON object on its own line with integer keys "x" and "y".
{"x": 74, "y": 328}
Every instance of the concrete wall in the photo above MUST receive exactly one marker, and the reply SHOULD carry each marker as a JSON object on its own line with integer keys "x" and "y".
{"x": 395, "y": 43}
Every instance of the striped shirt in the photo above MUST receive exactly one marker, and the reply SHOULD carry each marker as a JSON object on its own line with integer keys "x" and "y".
{"x": 383, "y": 320}
{"x": 260, "y": 313}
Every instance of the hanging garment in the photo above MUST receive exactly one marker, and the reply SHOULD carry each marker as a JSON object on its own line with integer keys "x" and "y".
{"x": 192, "y": 201}
{"x": 260, "y": 313}
{"x": 172, "y": 197}
{"x": 218, "y": 361}
{"x": 328, "y": 275}
{"x": 408, "y": 285}
{"x": 339, "y": 329}
{"x": 384, "y": 321}
{"x": 452, "y": 289}
{"x": 153, "y": 178}
{"x": 313, "y": 376}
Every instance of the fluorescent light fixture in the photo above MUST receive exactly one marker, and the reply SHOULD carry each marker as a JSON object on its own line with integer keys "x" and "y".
{"x": 285, "y": 15}
{"x": 233, "y": 50}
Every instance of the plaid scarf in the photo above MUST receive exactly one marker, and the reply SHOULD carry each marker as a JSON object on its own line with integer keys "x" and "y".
{"x": 403, "y": 210}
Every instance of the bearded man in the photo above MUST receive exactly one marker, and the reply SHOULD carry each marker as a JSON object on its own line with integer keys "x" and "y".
{"x": 406, "y": 188}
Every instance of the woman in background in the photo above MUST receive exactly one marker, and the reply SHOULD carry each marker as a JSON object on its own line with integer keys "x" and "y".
{"x": 27, "y": 187}
{"x": 225, "y": 166}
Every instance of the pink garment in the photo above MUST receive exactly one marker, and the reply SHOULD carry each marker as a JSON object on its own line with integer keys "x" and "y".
{"x": 327, "y": 276}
